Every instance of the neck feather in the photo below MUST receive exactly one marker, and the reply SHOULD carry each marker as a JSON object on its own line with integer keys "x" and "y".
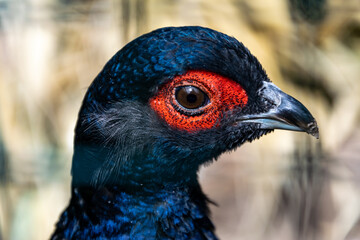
{"x": 172, "y": 212}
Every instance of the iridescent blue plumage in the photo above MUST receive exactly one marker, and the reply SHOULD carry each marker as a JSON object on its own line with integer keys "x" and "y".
{"x": 133, "y": 178}
{"x": 134, "y": 175}
{"x": 167, "y": 214}
{"x": 153, "y": 58}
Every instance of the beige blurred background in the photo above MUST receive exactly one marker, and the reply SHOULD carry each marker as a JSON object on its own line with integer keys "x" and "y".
{"x": 284, "y": 186}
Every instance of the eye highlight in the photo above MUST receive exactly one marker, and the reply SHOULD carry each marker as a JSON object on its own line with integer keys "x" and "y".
{"x": 191, "y": 97}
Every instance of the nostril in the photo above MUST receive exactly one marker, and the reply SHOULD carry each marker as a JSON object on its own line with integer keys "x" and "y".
{"x": 270, "y": 94}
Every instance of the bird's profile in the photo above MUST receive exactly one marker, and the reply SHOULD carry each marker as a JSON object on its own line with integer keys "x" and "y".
{"x": 168, "y": 102}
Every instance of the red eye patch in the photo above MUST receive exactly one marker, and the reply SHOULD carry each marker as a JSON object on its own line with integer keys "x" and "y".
{"x": 224, "y": 94}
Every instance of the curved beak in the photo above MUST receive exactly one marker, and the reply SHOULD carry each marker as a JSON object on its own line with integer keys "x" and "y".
{"x": 287, "y": 113}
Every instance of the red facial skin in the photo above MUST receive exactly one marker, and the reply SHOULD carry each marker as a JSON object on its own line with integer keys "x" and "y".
{"x": 224, "y": 95}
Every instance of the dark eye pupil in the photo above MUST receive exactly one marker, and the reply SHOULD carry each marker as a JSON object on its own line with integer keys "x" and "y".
{"x": 190, "y": 97}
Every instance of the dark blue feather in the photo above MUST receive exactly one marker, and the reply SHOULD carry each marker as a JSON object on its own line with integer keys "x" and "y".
{"x": 133, "y": 176}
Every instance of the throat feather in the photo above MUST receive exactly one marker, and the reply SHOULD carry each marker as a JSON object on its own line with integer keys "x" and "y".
{"x": 170, "y": 213}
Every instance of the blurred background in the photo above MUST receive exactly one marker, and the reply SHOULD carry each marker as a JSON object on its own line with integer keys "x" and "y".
{"x": 284, "y": 186}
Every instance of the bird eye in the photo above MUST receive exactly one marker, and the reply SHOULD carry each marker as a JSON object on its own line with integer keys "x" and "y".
{"x": 191, "y": 97}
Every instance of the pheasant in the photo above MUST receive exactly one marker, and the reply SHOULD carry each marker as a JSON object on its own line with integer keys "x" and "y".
{"x": 168, "y": 102}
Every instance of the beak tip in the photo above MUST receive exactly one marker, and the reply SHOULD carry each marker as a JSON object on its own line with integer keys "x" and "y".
{"x": 313, "y": 129}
